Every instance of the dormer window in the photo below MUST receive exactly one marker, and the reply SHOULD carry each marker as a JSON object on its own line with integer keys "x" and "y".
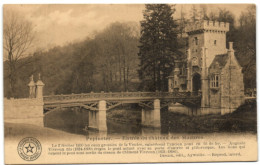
{"x": 214, "y": 81}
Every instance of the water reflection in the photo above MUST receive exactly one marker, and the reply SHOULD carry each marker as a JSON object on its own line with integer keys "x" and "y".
{"x": 119, "y": 122}
{"x": 127, "y": 120}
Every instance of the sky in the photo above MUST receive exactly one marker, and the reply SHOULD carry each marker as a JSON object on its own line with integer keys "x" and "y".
{"x": 56, "y": 25}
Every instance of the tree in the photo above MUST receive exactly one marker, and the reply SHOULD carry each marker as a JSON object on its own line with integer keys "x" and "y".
{"x": 117, "y": 55}
{"x": 158, "y": 46}
{"x": 18, "y": 38}
{"x": 213, "y": 16}
{"x": 245, "y": 45}
{"x": 194, "y": 14}
{"x": 204, "y": 12}
{"x": 182, "y": 22}
{"x": 226, "y": 16}
{"x": 104, "y": 63}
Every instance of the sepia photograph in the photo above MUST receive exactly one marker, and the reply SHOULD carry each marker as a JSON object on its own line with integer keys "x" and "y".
{"x": 129, "y": 83}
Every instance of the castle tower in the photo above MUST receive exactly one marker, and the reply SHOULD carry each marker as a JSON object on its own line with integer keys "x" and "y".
{"x": 208, "y": 34}
{"x": 206, "y": 40}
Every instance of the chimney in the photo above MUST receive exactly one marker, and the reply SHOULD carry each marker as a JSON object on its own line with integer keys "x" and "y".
{"x": 231, "y": 53}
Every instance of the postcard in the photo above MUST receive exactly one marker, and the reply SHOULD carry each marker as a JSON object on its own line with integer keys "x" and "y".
{"x": 129, "y": 83}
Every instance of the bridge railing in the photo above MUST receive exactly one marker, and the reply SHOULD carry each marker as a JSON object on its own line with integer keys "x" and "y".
{"x": 120, "y": 95}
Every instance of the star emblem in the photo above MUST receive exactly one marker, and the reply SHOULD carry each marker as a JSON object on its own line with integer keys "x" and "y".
{"x": 29, "y": 148}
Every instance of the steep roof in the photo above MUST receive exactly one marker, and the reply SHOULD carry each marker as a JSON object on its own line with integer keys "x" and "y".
{"x": 221, "y": 59}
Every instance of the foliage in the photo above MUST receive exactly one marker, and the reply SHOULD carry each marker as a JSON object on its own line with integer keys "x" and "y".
{"x": 226, "y": 16}
{"x": 18, "y": 38}
{"x": 245, "y": 45}
{"x": 158, "y": 46}
{"x": 107, "y": 62}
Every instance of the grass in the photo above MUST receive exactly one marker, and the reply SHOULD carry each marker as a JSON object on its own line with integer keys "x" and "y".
{"x": 125, "y": 116}
{"x": 244, "y": 119}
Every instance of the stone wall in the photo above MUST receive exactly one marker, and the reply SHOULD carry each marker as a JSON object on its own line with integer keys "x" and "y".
{"x": 215, "y": 93}
{"x": 27, "y": 111}
{"x": 213, "y": 50}
{"x": 214, "y": 98}
{"x": 232, "y": 89}
{"x": 195, "y": 49}
{"x": 207, "y": 32}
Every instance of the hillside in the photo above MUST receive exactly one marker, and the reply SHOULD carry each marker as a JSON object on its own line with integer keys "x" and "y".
{"x": 107, "y": 62}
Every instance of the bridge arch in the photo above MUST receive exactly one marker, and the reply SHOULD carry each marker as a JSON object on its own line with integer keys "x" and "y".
{"x": 98, "y": 103}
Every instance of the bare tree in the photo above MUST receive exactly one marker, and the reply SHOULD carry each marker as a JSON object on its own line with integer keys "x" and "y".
{"x": 18, "y": 38}
{"x": 203, "y": 12}
{"x": 183, "y": 22}
{"x": 194, "y": 13}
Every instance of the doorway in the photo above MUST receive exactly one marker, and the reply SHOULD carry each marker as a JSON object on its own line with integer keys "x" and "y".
{"x": 196, "y": 82}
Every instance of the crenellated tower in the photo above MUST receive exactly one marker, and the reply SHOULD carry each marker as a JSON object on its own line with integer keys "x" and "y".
{"x": 206, "y": 40}
{"x": 207, "y": 34}
{"x": 211, "y": 69}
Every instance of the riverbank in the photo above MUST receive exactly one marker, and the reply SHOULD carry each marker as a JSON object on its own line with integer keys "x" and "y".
{"x": 127, "y": 119}
{"x": 244, "y": 119}
{"x": 14, "y": 130}
{"x": 126, "y": 114}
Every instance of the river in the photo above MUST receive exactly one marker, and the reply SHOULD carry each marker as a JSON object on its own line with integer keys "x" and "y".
{"x": 127, "y": 120}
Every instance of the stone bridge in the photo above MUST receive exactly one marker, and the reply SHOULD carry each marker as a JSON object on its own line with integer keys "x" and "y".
{"x": 99, "y": 103}
{"x": 90, "y": 100}
{"x": 31, "y": 110}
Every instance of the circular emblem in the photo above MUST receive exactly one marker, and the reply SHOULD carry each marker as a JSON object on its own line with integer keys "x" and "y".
{"x": 29, "y": 149}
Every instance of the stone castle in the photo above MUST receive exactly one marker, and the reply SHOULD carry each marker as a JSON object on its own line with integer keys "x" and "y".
{"x": 210, "y": 68}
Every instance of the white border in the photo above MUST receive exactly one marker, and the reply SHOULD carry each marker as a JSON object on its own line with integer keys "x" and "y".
{"x": 109, "y": 2}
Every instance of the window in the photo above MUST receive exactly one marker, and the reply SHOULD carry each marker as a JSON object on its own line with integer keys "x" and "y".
{"x": 215, "y": 42}
{"x": 175, "y": 82}
{"x": 196, "y": 40}
{"x": 214, "y": 81}
{"x": 183, "y": 69}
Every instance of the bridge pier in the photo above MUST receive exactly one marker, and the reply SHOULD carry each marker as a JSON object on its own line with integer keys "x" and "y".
{"x": 152, "y": 118}
{"x": 98, "y": 119}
